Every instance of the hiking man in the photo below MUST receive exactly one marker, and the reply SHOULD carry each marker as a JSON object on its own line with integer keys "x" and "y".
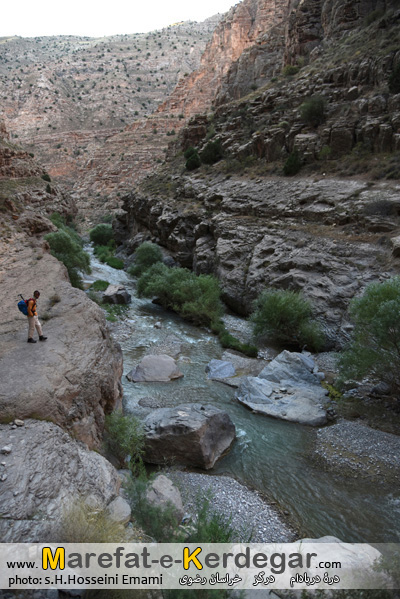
{"x": 33, "y": 319}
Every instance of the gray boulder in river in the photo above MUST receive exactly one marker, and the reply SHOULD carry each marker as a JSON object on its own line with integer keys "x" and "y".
{"x": 116, "y": 294}
{"x": 287, "y": 388}
{"x": 190, "y": 434}
{"x": 155, "y": 368}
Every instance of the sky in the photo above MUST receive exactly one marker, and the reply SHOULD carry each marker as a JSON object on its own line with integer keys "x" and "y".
{"x": 96, "y": 18}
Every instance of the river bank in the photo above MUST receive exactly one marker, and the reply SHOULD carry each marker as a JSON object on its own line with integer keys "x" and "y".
{"x": 270, "y": 455}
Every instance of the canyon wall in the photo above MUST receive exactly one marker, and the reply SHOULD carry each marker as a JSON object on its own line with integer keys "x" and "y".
{"x": 73, "y": 378}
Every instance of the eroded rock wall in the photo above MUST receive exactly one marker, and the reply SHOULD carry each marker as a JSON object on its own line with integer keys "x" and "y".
{"x": 73, "y": 378}
{"x": 326, "y": 237}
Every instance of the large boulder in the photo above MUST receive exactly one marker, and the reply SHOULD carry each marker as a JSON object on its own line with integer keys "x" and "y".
{"x": 116, "y": 294}
{"x": 190, "y": 434}
{"x": 288, "y": 389}
{"x": 73, "y": 378}
{"x": 44, "y": 471}
{"x": 220, "y": 369}
{"x": 155, "y": 368}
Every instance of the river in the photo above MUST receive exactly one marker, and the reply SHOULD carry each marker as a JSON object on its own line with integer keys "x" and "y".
{"x": 269, "y": 455}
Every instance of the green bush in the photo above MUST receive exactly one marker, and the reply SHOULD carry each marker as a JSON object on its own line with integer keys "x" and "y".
{"x": 292, "y": 164}
{"x": 229, "y": 341}
{"x": 195, "y": 298}
{"x": 159, "y": 523}
{"x": 46, "y": 177}
{"x": 212, "y": 152}
{"x": 99, "y": 285}
{"x": 289, "y": 70}
{"x": 189, "y": 152}
{"x": 193, "y": 162}
{"x": 68, "y": 250}
{"x": 394, "y": 80}
{"x": 124, "y": 438}
{"x": 313, "y": 111}
{"x": 101, "y": 234}
{"x": 145, "y": 256}
{"x": 211, "y": 527}
{"x": 374, "y": 349}
{"x": 285, "y": 318}
{"x": 115, "y": 262}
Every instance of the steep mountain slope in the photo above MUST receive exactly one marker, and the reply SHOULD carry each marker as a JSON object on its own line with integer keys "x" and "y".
{"x": 64, "y": 96}
{"x": 239, "y": 219}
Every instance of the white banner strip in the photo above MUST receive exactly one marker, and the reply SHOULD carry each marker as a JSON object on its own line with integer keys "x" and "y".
{"x": 301, "y": 565}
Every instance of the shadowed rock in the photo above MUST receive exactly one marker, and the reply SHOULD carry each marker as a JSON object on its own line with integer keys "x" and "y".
{"x": 190, "y": 434}
{"x": 116, "y": 294}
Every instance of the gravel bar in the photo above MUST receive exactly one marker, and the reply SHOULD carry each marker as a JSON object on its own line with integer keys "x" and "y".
{"x": 358, "y": 450}
{"x": 252, "y": 517}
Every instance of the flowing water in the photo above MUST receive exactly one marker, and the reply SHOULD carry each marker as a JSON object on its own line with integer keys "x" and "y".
{"x": 269, "y": 455}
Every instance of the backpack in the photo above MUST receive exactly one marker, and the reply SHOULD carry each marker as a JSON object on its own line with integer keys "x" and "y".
{"x": 23, "y": 305}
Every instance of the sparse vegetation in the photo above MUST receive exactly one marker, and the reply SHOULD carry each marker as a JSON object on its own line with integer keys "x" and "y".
{"x": 195, "y": 298}
{"x": 66, "y": 245}
{"x": 99, "y": 285}
{"x": 285, "y": 317}
{"x": 289, "y": 70}
{"x": 374, "y": 349}
{"x": 101, "y": 234}
{"x": 145, "y": 256}
{"x": 124, "y": 438}
{"x": 313, "y": 111}
{"x": 293, "y": 164}
{"x": 212, "y": 152}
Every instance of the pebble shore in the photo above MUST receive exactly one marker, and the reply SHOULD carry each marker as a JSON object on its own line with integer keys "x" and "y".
{"x": 251, "y": 516}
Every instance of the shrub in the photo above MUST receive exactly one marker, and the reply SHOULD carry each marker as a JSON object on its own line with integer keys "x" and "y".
{"x": 195, "y": 298}
{"x": 193, "y": 162}
{"x": 101, "y": 234}
{"x": 46, "y": 177}
{"x": 82, "y": 524}
{"x": 115, "y": 262}
{"x": 145, "y": 256}
{"x": 189, "y": 152}
{"x": 124, "y": 438}
{"x": 285, "y": 318}
{"x": 374, "y": 349}
{"x": 66, "y": 248}
{"x": 325, "y": 153}
{"x": 99, "y": 285}
{"x": 292, "y": 164}
{"x": 212, "y": 152}
{"x": 289, "y": 70}
{"x": 394, "y": 80}
{"x": 211, "y": 527}
{"x": 313, "y": 111}
{"x": 229, "y": 341}
{"x": 159, "y": 523}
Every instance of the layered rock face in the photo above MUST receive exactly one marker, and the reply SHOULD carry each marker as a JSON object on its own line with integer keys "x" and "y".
{"x": 327, "y": 237}
{"x": 73, "y": 378}
{"x": 310, "y": 22}
{"x": 248, "y": 24}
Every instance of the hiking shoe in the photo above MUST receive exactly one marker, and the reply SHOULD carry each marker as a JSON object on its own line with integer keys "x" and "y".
{"x": 30, "y": 340}
{"x": 42, "y": 338}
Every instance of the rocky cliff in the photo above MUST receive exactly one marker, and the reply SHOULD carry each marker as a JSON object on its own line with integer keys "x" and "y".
{"x": 73, "y": 378}
{"x": 327, "y": 237}
{"x": 239, "y": 218}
